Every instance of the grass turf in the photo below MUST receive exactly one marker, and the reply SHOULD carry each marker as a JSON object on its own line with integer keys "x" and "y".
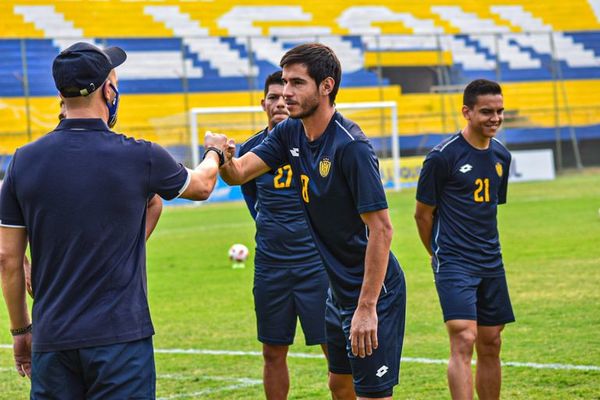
{"x": 549, "y": 232}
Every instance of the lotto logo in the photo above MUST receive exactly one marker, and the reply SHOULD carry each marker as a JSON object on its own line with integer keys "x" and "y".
{"x": 382, "y": 371}
{"x": 465, "y": 168}
{"x": 295, "y": 152}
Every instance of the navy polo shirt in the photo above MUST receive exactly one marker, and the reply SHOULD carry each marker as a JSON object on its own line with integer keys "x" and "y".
{"x": 282, "y": 236}
{"x": 339, "y": 179}
{"x": 81, "y": 192}
{"x": 465, "y": 185}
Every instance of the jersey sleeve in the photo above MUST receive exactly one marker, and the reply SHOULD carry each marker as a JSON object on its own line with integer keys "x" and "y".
{"x": 432, "y": 179}
{"x": 503, "y": 190}
{"x": 273, "y": 150}
{"x": 168, "y": 178}
{"x": 249, "y": 193}
{"x": 361, "y": 169}
{"x": 11, "y": 214}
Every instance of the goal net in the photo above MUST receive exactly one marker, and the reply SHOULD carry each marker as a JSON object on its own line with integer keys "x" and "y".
{"x": 378, "y": 120}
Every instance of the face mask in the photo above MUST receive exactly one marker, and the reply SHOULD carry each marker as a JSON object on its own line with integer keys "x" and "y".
{"x": 112, "y": 107}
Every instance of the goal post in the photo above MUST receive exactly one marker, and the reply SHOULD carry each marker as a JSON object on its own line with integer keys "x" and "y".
{"x": 377, "y": 119}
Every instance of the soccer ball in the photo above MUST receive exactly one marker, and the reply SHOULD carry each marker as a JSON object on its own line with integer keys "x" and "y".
{"x": 238, "y": 253}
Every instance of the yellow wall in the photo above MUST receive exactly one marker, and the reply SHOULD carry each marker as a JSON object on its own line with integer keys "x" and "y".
{"x": 162, "y": 118}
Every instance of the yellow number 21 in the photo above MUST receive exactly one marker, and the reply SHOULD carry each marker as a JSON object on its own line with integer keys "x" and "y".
{"x": 483, "y": 185}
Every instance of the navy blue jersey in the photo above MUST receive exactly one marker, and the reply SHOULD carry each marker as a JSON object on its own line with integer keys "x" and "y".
{"x": 282, "y": 236}
{"x": 81, "y": 192}
{"x": 339, "y": 180}
{"x": 465, "y": 185}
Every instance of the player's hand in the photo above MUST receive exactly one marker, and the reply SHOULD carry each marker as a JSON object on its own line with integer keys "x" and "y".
{"x": 363, "y": 331}
{"x": 230, "y": 152}
{"x": 217, "y": 140}
{"x": 22, "y": 354}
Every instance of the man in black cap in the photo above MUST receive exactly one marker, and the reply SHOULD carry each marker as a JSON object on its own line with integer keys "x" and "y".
{"x": 154, "y": 209}
{"x": 80, "y": 195}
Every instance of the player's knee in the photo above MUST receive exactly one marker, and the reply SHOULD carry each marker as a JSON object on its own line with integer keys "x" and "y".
{"x": 274, "y": 354}
{"x": 341, "y": 387}
{"x": 489, "y": 346}
{"x": 463, "y": 341}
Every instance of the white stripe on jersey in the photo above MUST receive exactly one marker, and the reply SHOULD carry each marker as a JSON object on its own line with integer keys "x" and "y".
{"x": 348, "y": 133}
{"x": 500, "y": 143}
{"x": 446, "y": 145}
{"x": 12, "y": 226}
{"x": 186, "y": 183}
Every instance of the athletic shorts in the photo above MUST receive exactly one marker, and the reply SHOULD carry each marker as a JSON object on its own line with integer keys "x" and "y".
{"x": 377, "y": 374}
{"x": 464, "y": 296}
{"x": 111, "y": 372}
{"x": 284, "y": 295}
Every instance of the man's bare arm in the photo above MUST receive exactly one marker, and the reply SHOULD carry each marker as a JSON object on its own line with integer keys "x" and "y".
{"x": 154, "y": 209}
{"x": 424, "y": 218}
{"x": 363, "y": 330}
{"x": 13, "y": 242}
{"x": 202, "y": 179}
{"x": 27, "y": 270}
{"x": 241, "y": 170}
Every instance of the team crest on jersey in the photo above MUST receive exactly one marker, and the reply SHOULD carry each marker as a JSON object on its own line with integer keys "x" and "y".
{"x": 324, "y": 167}
{"x": 499, "y": 169}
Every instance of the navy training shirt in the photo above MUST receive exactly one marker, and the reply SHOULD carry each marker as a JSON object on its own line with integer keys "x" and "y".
{"x": 339, "y": 180}
{"x": 465, "y": 185}
{"x": 282, "y": 235}
{"x": 81, "y": 192}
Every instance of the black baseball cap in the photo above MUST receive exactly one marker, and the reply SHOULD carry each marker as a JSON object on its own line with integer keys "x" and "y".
{"x": 82, "y": 68}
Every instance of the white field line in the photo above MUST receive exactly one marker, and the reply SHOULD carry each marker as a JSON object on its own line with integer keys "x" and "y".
{"x": 240, "y": 383}
{"x": 209, "y": 391}
{"x": 191, "y": 375}
{"x": 417, "y": 360}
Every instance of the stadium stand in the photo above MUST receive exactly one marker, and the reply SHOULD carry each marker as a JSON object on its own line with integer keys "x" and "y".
{"x": 193, "y": 54}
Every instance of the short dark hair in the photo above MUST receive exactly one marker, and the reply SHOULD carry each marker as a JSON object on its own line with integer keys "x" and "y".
{"x": 320, "y": 61}
{"x": 273, "y": 79}
{"x": 479, "y": 87}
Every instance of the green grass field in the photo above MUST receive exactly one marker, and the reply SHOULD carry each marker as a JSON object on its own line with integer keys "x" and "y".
{"x": 550, "y": 233}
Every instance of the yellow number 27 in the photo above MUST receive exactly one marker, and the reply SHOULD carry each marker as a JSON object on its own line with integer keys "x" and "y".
{"x": 280, "y": 181}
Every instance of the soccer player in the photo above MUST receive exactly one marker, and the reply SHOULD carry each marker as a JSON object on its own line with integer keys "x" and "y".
{"x": 463, "y": 180}
{"x": 289, "y": 279}
{"x": 346, "y": 211}
{"x": 80, "y": 194}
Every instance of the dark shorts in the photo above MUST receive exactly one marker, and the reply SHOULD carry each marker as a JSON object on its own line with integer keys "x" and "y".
{"x": 464, "y": 296}
{"x": 377, "y": 374}
{"x": 284, "y": 295}
{"x": 112, "y": 372}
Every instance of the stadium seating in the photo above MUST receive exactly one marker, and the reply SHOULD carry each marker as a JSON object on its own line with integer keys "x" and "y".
{"x": 216, "y": 45}
{"x": 192, "y": 54}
